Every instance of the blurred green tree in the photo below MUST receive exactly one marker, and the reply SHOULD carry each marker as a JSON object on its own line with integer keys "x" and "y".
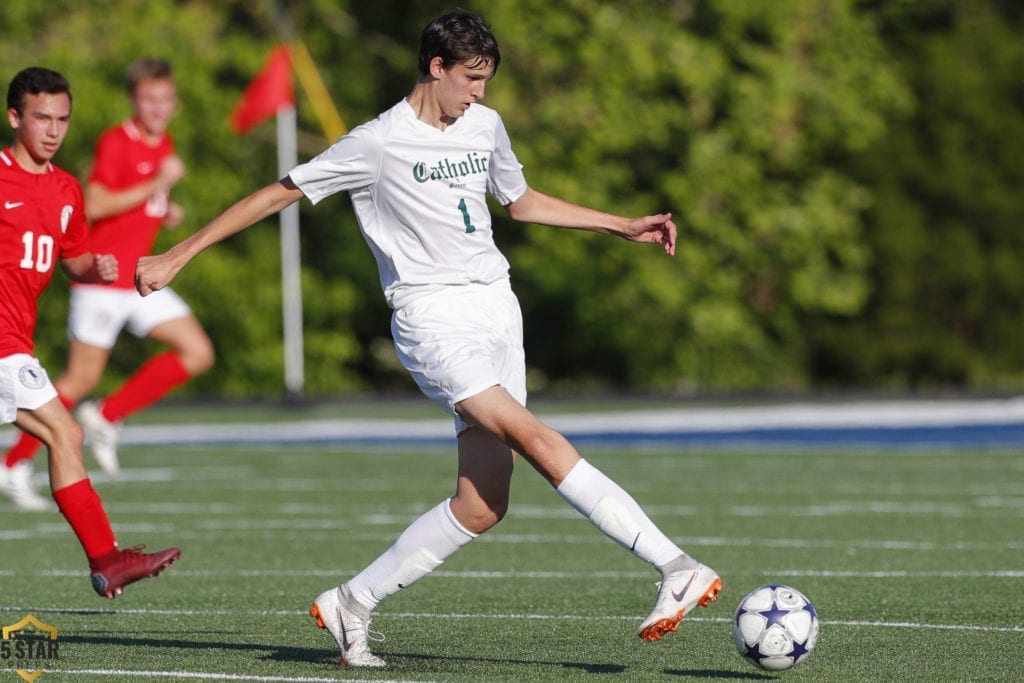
{"x": 726, "y": 113}
{"x": 945, "y": 221}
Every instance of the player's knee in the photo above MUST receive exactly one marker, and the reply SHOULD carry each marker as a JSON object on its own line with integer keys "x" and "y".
{"x": 497, "y": 512}
{"x": 205, "y": 361}
{"x": 485, "y": 516}
{"x": 481, "y": 523}
{"x": 543, "y": 445}
{"x": 198, "y": 358}
{"x": 66, "y": 436}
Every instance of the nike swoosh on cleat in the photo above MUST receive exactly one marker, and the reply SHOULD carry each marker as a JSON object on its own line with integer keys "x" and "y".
{"x": 681, "y": 594}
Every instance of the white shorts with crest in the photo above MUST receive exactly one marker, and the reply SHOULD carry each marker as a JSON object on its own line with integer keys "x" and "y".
{"x": 461, "y": 341}
{"x": 23, "y": 384}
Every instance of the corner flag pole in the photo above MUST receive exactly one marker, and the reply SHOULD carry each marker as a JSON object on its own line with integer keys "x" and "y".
{"x": 287, "y": 158}
{"x": 271, "y": 93}
{"x": 291, "y": 262}
{"x": 277, "y": 96}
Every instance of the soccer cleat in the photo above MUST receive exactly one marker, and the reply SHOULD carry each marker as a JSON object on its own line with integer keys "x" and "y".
{"x": 112, "y": 572}
{"x": 349, "y": 622}
{"x": 16, "y": 484}
{"x": 102, "y": 435}
{"x": 678, "y": 594}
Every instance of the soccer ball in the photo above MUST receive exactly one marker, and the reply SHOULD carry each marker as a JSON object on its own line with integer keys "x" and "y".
{"x": 775, "y": 627}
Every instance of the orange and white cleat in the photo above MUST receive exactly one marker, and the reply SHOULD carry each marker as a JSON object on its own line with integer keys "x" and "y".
{"x": 678, "y": 594}
{"x": 349, "y": 622}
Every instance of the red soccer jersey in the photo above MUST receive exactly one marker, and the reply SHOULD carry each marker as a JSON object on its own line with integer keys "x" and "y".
{"x": 42, "y": 220}
{"x": 125, "y": 159}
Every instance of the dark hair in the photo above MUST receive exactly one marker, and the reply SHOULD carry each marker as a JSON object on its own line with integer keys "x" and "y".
{"x": 145, "y": 69}
{"x": 458, "y": 37}
{"x": 32, "y": 81}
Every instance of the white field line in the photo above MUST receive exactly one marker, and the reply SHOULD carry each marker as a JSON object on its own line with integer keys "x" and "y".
{"x": 720, "y": 620}
{"x": 825, "y": 573}
{"x": 976, "y": 504}
{"x": 208, "y": 676}
{"x": 293, "y": 528}
{"x": 910, "y": 625}
{"x": 1004, "y": 507}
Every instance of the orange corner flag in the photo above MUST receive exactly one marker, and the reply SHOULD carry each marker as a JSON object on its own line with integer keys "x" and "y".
{"x": 270, "y": 90}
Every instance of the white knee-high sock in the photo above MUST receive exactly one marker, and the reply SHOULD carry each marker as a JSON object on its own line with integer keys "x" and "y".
{"x": 617, "y": 514}
{"x": 420, "y": 549}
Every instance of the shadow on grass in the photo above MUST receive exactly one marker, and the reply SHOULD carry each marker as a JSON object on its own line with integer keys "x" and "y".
{"x": 723, "y": 675}
{"x": 587, "y": 667}
{"x": 205, "y": 640}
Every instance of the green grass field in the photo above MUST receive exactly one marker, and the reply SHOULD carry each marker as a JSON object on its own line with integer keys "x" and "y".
{"x": 914, "y": 560}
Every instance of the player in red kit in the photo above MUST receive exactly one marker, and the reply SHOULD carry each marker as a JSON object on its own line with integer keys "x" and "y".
{"x": 43, "y": 224}
{"x": 127, "y": 200}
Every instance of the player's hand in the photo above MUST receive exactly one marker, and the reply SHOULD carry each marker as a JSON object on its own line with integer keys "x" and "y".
{"x": 106, "y": 267}
{"x": 153, "y": 273}
{"x": 656, "y": 229}
{"x": 175, "y": 215}
{"x": 172, "y": 169}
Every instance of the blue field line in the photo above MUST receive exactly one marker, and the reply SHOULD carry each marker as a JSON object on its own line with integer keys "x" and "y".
{"x": 924, "y": 424}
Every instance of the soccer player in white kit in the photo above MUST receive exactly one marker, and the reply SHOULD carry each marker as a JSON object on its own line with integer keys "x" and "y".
{"x": 418, "y": 176}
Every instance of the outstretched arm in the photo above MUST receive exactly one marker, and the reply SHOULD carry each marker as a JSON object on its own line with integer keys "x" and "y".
{"x": 536, "y": 207}
{"x": 156, "y": 272}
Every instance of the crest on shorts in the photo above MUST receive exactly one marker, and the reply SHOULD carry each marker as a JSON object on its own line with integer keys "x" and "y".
{"x": 65, "y": 217}
{"x": 32, "y": 376}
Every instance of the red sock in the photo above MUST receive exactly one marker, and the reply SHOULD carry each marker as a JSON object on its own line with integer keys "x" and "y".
{"x": 84, "y": 512}
{"x": 148, "y": 385}
{"x": 27, "y": 445}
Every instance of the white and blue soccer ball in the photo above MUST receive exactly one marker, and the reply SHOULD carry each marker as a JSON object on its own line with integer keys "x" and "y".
{"x": 775, "y": 627}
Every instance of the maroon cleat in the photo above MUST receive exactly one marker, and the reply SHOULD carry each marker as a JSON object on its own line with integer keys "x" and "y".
{"x": 115, "y": 570}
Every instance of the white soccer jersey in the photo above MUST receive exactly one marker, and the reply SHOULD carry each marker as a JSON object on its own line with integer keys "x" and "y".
{"x": 419, "y": 194}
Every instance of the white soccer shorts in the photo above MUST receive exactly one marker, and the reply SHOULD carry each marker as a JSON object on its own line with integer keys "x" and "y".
{"x": 23, "y": 384}
{"x": 459, "y": 342}
{"x": 97, "y": 314}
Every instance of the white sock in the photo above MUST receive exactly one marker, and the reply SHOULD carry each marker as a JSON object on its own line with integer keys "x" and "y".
{"x": 613, "y": 511}
{"x": 419, "y": 550}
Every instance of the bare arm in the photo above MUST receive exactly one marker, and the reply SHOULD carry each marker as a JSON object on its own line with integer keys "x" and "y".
{"x": 536, "y": 207}
{"x": 156, "y": 272}
{"x": 91, "y": 268}
{"x": 101, "y": 201}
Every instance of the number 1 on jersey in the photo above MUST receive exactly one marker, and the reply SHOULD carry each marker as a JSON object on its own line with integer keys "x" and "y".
{"x": 465, "y": 216}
